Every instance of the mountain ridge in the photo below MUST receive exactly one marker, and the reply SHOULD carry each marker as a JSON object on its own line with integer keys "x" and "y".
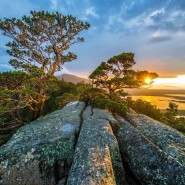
{"x": 73, "y": 78}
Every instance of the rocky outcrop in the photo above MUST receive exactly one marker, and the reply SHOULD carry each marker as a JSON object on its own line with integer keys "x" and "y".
{"x": 41, "y": 152}
{"x": 97, "y": 158}
{"x": 166, "y": 138}
{"x": 80, "y": 145}
{"x": 148, "y": 162}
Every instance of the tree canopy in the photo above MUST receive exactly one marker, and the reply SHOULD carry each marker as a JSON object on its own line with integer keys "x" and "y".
{"x": 117, "y": 73}
{"x": 39, "y": 46}
{"x": 42, "y": 40}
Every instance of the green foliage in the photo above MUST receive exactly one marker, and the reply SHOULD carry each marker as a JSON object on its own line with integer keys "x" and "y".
{"x": 113, "y": 76}
{"x": 57, "y": 92}
{"x": 169, "y": 117}
{"x": 19, "y": 94}
{"x": 142, "y": 75}
{"x": 42, "y": 38}
{"x": 13, "y": 96}
{"x": 176, "y": 123}
{"x": 12, "y": 79}
{"x": 117, "y": 73}
{"x": 101, "y": 99}
{"x": 179, "y": 124}
{"x": 63, "y": 100}
{"x": 16, "y": 105}
{"x": 144, "y": 107}
{"x": 4, "y": 138}
{"x": 172, "y": 111}
{"x": 39, "y": 47}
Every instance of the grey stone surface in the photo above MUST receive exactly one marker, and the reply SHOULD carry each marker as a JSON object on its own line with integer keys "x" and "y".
{"x": 166, "y": 138}
{"x": 97, "y": 158}
{"x": 150, "y": 164}
{"x": 47, "y": 151}
{"x": 131, "y": 111}
{"x": 42, "y": 151}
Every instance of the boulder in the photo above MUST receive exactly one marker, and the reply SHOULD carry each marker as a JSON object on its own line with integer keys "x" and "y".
{"x": 81, "y": 145}
{"x": 150, "y": 164}
{"x": 166, "y": 138}
{"x": 41, "y": 152}
{"x": 97, "y": 158}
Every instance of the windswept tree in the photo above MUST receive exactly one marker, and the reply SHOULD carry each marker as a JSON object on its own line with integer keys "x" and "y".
{"x": 13, "y": 99}
{"x": 117, "y": 73}
{"x": 12, "y": 80}
{"x": 40, "y": 44}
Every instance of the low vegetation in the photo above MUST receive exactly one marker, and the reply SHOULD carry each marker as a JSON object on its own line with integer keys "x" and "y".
{"x": 169, "y": 117}
{"x": 39, "y": 47}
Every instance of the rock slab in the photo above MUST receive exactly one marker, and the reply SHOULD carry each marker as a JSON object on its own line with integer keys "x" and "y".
{"x": 166, "y": 138}
{"x": 97, "y": 159}
{"x": 150, "y": 164}
{"x": 41, "y": 152}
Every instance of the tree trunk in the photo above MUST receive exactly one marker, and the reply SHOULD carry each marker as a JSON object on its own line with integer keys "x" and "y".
{"x": 38, "y": 110}
{"x": 40, "y": 104}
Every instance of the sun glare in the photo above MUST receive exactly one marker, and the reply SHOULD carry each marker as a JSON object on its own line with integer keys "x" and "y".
{"x": 178, "y": 82}
{"x": 148, "y": 80}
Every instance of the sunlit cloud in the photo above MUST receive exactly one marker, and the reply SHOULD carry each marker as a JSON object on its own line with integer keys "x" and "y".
{"x": 166, "y": 83}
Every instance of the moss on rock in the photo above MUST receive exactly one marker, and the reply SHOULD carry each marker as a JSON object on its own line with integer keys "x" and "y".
{"x": 97, "y": 158}
{"x": 34, "y": 152}
{"x": 149, "y": 163}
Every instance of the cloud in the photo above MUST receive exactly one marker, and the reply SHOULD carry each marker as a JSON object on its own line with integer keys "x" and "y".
{"x": 157, "y": 15}
{"x": 2, "y": 51}
{"x": 5, "y": 67}
{"x": 70, "y": 2}
{"x": 17, "y": 8}
{"x": 157, "y": 39}
{"x": 118, "y": 26}
{"x": 177, "y": 5}
{"x": 90, "y": 12}
{"x": 152, "y": 15}
{"x": 54, "y": 4}
{"x": 170, "y": 83}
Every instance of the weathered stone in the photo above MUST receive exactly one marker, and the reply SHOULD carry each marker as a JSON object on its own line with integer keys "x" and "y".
{"x": 131, "y": 111}
{"x": 41, "y": 152}
{"x": 166, "y": 138}
{"x": 97, "y": 159}
{"x": 150, "y": 164}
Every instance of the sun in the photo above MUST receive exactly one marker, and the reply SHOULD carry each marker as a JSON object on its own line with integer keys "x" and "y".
{"x": 148, "y": 80}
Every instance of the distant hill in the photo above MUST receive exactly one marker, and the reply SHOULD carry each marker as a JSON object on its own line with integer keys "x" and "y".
{"x": 72, "y": 78}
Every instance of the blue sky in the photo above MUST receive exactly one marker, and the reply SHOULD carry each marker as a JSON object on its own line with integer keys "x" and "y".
{"x": 153, "y": 29}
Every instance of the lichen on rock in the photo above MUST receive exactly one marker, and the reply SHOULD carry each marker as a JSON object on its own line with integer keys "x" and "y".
{"x": 97, "y": 158}
{"x": 84, "y": 145}
{"x": 38, "y": 150}
{"x": 166, "y": 138}
{"x": 148, "y": 162}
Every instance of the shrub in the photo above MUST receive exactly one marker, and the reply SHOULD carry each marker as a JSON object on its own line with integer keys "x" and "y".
{"x": 144, "y": 107}
{"x": 101, "y": 99}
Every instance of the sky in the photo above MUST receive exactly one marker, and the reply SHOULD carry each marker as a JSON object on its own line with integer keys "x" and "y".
{"x": 153, "y": 29}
